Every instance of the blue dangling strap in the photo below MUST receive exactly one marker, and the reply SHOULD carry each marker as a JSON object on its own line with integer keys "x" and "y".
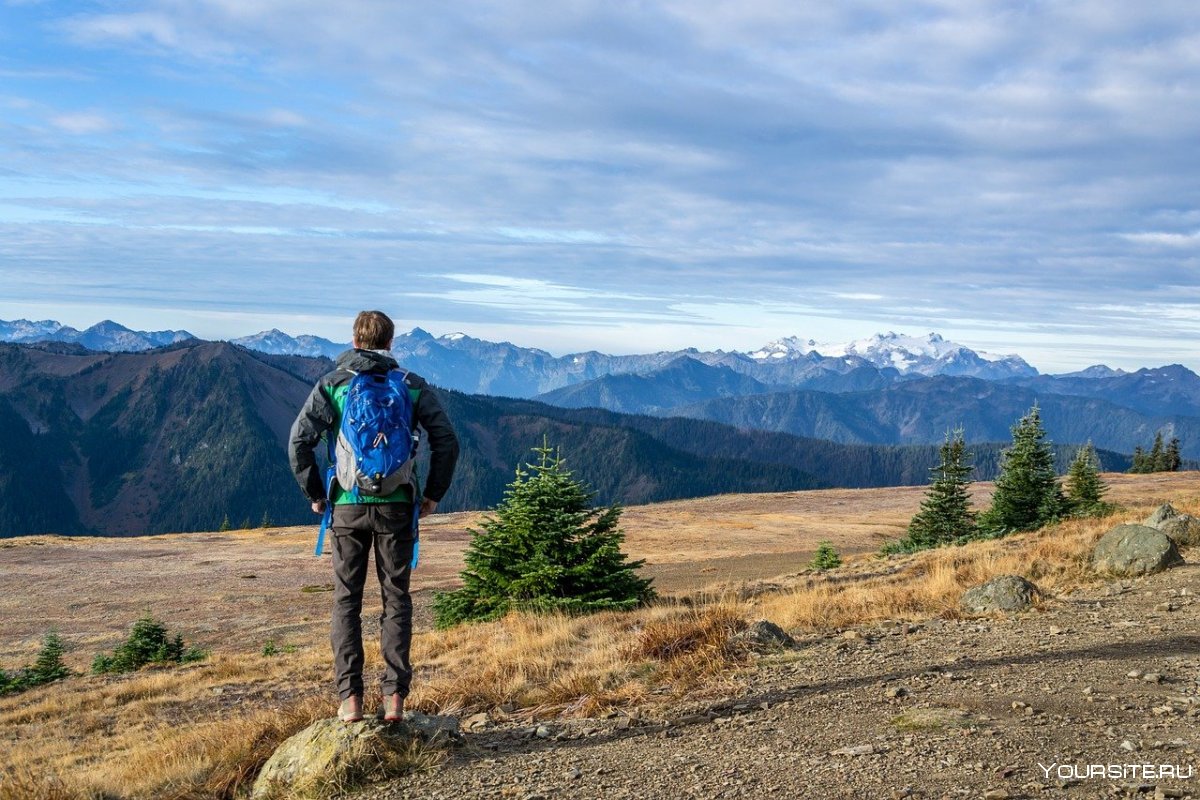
{"x": 327, "y": 517}
{"x": 416, "y": 515}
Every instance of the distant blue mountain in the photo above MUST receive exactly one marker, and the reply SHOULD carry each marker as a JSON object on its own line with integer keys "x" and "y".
{"x": 276, "y": 342}
{"x": 1169, "y": 390}
{"x": 922, "y": 411}
{"x": 106, "y": 336}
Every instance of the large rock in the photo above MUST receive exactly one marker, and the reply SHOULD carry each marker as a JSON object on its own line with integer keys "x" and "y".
{"x": 1002, "y": 593}
{"x": 330, "y": 755}
{"x": 1184, "y": 529}
{"x": 1135, "y": 550}
{"x": 764, "y": 636}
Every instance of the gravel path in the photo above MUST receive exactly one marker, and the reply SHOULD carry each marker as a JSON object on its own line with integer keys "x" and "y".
{"x": 1109, "y": 675}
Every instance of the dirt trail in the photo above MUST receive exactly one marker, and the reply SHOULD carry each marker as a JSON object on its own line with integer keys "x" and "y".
{"x": 1105, "y": 676}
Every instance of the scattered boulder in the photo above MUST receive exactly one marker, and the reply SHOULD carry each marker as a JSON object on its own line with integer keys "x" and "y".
{"x": 1002, "y": 593}
{"x": 1135, "y": 550}
{"x": 329, "y": 755}
{"x": 1161, "y": 514}
{"x": 1184, "y": 529}
{"x": 764, "y": 636}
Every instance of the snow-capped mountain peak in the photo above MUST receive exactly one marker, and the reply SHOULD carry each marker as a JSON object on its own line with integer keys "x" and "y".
{"x": 931, "y": 354}
{"x": 787, "y": 347}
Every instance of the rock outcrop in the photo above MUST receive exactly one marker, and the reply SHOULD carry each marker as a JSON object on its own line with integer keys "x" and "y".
{"x": 329, "y": 755}
{"x": 1135, "y": 550}
{"x": 1184, "y": 529}
{"x": 1002, "y": 593}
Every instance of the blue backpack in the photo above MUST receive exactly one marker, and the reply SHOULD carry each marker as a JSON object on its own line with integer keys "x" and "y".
{"x": 374, "y": 453}
{"x": 376, "y": 442}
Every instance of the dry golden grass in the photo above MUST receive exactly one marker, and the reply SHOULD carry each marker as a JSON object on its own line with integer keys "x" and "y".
{"x": 168, "y": 733}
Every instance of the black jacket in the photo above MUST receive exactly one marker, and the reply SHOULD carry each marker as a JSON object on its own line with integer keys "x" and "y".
{"x": 319, "y": 418}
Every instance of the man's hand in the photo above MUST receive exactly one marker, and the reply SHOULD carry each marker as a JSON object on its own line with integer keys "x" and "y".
{"x": 318, "y": 506}
{"x": 427, "y": 507}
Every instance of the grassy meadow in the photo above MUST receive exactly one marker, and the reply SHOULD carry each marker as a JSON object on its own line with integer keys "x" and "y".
{"x": 201, "y": 730}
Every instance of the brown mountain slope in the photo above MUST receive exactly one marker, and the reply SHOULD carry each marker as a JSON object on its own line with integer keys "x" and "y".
{"x": 169, "y": 439}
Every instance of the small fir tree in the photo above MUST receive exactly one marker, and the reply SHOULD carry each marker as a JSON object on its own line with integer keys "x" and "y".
{"x": 47, "y": 668}
{"x": 1174, "y": 461}
{"x": 265, "y": 522}
{"x": 545, "y": 549}
{"x": 1158, "y": 455}
{"x": 945, "y": 516}
{"x": 1139, "y": 461}
{"x": 1027, "y": 493}
{"x": 825, "y": 557}
{"x": 1085, "y": 489}
{"x": 224, "y": 524}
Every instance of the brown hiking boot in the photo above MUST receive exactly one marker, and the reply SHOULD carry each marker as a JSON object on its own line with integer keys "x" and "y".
{"x": 351, "y": 709}
{"x": 392, "y": 708}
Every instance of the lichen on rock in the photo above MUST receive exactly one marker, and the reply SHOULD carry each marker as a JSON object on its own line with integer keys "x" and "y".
{"x": 331, "y": 756}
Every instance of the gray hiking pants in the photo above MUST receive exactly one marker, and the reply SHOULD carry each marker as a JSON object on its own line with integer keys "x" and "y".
{"x": 355, "y": 528}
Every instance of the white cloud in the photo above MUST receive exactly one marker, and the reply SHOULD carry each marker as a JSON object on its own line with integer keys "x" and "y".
{"x": 151, "y": 27}
{"x": 1164, "y": 238}
{"x": 83, "y": 123}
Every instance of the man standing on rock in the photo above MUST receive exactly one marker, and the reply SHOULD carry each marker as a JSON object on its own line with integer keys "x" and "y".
{"x": 379, "y": 509}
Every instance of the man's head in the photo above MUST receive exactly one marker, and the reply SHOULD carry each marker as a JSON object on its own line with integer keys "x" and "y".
{"x": 373, "y": 330}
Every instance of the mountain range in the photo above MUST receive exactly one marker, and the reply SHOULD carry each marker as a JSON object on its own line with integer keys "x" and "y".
{"x": 183, "y": 437}
{"x": 110, "y": 430}
{"x": 462, "y": 362}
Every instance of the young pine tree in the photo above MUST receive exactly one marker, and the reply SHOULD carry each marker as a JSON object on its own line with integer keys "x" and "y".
{"x": 1139, "y": 461}
{"x": 826, "y": 557}
{"x": 1085, "y": 489}
{"x": 545, "y": 549}
{"x": 1027, "y": 493}
{"x": 1174, "y": 461}
{"x": 945, "y": 514}
{"x": 1158, "y": 456}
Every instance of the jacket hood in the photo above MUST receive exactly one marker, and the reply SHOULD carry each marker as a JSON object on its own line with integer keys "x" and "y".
{"x": 366, "y": 361}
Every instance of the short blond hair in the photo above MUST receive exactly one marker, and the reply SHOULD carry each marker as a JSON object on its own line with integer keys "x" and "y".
{"x": 373, "y": 330}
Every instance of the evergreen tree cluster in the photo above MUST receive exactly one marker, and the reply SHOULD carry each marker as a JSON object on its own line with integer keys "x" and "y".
{"x": 546, "y": 548}
{"x": 1027, "y": 493}
{"x": 1160, "y": 458}
{"x": 148, "y": 643}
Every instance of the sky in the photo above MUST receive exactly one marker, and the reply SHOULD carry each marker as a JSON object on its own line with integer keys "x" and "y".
{"x": 628, "y": 177}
